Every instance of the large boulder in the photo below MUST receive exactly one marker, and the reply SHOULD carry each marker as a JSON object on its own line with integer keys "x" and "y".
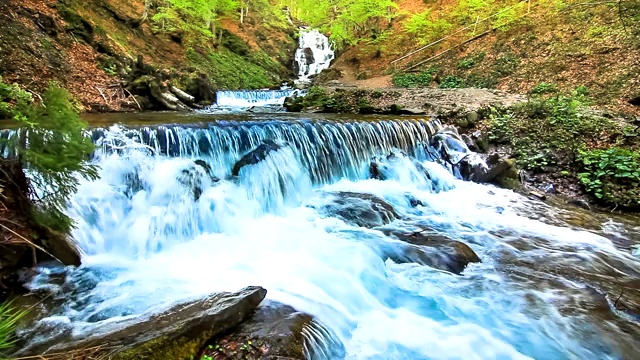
{"x": 432, "y": 249}
{"x": 275, "y": 331}
{"x": 255, "y": 156}
{"x": 177, "y": 332}
{"x": 363, "y": 210}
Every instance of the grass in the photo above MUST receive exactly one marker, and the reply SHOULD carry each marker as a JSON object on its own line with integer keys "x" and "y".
{"x": 9, "y": 318}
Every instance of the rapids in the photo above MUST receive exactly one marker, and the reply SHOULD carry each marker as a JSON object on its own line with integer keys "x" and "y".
{"x": 148, "y": 241}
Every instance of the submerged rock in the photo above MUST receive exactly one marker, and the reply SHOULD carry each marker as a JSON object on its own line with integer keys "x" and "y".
{"x": 434, "y": 250}
{"x": 177, "y": 332}
{"x": 255, "y": 156}
{"x": 276, "y": 331}
{"x": 363, "y": 210}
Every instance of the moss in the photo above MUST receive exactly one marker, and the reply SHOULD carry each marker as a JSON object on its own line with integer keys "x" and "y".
{"x": 228, "y": 70}
{"x": 160, "y": 349}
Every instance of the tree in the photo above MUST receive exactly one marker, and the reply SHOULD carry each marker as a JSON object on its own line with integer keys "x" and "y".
{"x": 51, "y": 147}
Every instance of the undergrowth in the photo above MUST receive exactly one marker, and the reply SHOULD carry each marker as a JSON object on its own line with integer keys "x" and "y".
{"x": 558, "y": 133}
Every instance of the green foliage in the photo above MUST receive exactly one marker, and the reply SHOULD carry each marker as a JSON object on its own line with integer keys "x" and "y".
{"x": 346, "y": 21}
{"x": 13, "y": 100}
{"x": 452, "y": 82}
{"x": 192, "y": 16}
{"x": 9, "y": 318}
{"x": 423, "y": 78}
{"x": 52, "y": 148}
{"x": 612, "y": 175}
{"x": 546, "y": 132}
{"x": 471, "y": 60}
{"x": 228, "y": 70}
{"x": 544, "y": 88}
{"x": 425, "y": 28}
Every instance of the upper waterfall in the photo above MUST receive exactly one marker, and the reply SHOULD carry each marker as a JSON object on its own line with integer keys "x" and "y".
{"x": 313, "y": 55}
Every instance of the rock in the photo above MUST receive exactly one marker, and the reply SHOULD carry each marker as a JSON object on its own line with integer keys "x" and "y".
{"x": 434, "y": 250}
{"x": 411, "y": 111}
{"x": 199, "y": 86}
{"x": 469, "y": 142}
{"x": 276, "y": 331}
{"x": 293, "y": 104}
{"x": 177, "y": 332}
{"x": 363, "y": 210}
{"x": 328, "y": 76}
{"x": 61, "y": 247}
{"x": 472, "y": 118}
{"x": 580, "y": 203}
{"x": 255, "y": 156}
{"x": 308, "y": 56}
{"x": 197, "y": 179}
{"x": 462, "y": 122}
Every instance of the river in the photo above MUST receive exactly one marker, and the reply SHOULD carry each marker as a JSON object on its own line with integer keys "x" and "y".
{"x": 546, "y": 287}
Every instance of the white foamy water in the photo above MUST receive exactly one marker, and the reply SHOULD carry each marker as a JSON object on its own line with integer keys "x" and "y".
{"x": 313, "y": 55}
{"x": 150, "y": 241}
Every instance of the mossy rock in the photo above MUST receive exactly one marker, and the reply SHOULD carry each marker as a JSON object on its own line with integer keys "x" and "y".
{"x": 178, "y": 332}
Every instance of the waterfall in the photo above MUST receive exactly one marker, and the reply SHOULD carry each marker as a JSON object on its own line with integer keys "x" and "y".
{"x": 172, "y": 217}
{"x": 313, "y": 55}
{"x": 249, "y": 98}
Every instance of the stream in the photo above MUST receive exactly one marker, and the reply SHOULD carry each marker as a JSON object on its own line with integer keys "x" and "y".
{"x": 546, "y": 287}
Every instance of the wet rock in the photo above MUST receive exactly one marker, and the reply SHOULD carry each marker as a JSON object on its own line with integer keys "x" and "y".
{"x": 275, "y": 331}
{"x": 197, "y": 177}
{"x": 255, "y": 156}
{"x": 472, "y": 118}
{"x": 581, "y": 203}
{"x": 293, "y": 104}
{"x": 434, "y": 250}
{"x": 363, "y": 210}
{"x": 308, "y": 56}
{"x": 62, "y": 248}
{"x": 177, "y": 332}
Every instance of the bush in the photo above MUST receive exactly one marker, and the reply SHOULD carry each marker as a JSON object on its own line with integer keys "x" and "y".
{"x": 550, "y": 131}
{"x": 471, "y": 60}
{"x": 423, "y": 79}
{"x": 612, "y": 175}
{"x": 53, "y": 150}
{"x": 451, "y": 82}
{"x": 544, "y": 88}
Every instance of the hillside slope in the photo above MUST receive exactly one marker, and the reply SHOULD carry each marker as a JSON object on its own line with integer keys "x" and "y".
{"x": 91, "y": 47}
{"x": 565, "y": 46}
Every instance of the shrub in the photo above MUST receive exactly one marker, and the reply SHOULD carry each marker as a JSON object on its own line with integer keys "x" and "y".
{"x": 423, "y": 79}
{"x": 544, "y": 88}
{"x": 549, "y": 131}
{"x": 471, "y": 60}
{"x": 451, "y": 82}
{"x": 612, "y": 175}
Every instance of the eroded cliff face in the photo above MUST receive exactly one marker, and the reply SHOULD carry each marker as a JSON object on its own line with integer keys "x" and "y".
{"x": 92, "y": 48}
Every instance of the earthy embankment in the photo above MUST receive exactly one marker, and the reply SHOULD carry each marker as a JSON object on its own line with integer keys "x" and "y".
{"x": 112, "y": 56}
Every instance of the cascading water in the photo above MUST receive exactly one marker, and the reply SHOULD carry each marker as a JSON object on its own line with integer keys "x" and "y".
{"x": 156, "y": 228}
{"x": 245, "y": 99}
{"x": 313, "y": 55}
